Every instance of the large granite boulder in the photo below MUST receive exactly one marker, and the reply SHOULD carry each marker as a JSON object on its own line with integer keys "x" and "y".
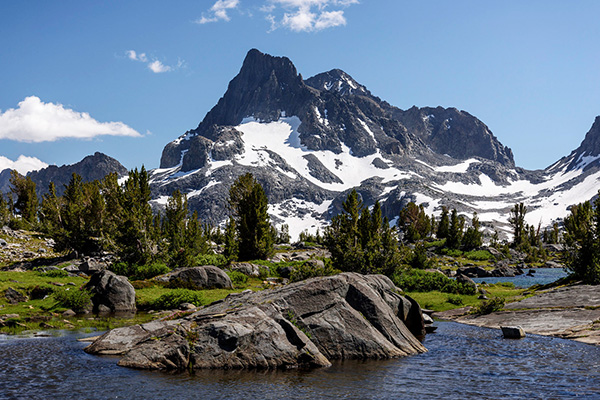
{"x": 305, "y": 324}
{"x": 111, "y": 293}
{"x": 197, "y": 278}
{"x": 246, "y": 268}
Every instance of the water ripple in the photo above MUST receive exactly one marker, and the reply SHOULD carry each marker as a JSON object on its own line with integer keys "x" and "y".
{"x": 463, "y": 362}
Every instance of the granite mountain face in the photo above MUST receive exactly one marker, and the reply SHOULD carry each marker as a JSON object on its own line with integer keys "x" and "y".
{"x": 309, "y": 142}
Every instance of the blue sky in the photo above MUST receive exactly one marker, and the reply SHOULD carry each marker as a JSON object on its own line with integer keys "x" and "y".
{"x": 125, "y": 78}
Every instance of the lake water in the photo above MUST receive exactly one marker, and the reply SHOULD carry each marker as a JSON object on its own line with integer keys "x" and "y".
{"x": 463, "y": 362}
{"x": 541, "y": 276}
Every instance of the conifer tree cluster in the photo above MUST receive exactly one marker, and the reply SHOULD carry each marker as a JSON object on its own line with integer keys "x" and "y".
{"x": 361, "y": 240}
{"x": 105, "y": 215}
{"x": 416, "y": 226}
{"x": 582, "y": 237}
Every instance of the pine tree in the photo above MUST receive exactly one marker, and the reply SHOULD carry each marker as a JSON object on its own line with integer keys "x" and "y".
{"x": 4, "y": 211}
{"x": 582, "y": 238}
{"x": 455, "y": 233}
{"x": 517, "y": 220}
{"x": 249, "y": 205}
{"x": 27, "y": 202}
{"x": 444, "y": 224}
{"x": 414, "y": 222}
{"x": 473, "y": 237}
{"x": 230, "y": 241}
{"x": 134, "y": 234}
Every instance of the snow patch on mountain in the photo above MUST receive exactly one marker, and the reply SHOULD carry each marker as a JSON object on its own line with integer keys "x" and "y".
{"x": 300, "y": 215}
{"x": 282, "y": 138}
{"x": 458, "y": 168}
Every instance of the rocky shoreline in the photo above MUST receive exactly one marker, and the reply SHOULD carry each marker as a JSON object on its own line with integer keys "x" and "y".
{"x": 570, "y": 312}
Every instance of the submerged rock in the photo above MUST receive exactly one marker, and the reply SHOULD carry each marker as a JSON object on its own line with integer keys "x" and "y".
{"x": 305, "y": 324}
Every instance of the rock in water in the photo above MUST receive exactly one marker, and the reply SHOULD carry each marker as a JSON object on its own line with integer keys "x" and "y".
{"x": 513, "y": 332}
{"x": 305, "y": 324}
{"x": 111, "y": 293}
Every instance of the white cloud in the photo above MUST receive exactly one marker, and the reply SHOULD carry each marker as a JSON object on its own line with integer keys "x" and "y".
{"x": 303, "y": 20}
{"x": 218, "y": 12}
{"x": 307, "y": 15}
{"x": 295, "y": 15}
{"x": 136, "y": 57}
{"x": 330, "y": 19}
{"x": 154, "y": 65}
{"x": 35, "y": 121}
{"x": 23, "y": 165}
{"x": 157, "y": 67}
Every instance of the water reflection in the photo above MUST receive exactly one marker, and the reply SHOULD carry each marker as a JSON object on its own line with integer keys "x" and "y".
{"x": 463, "y": 362}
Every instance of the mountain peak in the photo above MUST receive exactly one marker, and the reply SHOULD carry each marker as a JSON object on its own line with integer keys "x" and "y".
{"x": 337, "y": 80}
{"x": 591, "y": 144}
{"x": 265, "y": 86}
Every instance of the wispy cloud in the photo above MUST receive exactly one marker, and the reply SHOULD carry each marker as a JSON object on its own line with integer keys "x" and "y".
{"x": 295, "y": 15}
{"x": 306, "y": 15}
{"x": 218, "y": 12}
{"x": 35, "y": 121}
{"x": 23, "y": 164}
{"x": 153, "y": 64}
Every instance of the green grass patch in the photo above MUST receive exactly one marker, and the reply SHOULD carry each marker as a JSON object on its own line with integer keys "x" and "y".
{"x": 415, "y": 280}
{"x": 439, "y": 301}
{"x": 479, "y": 255}
{"x": 146, "y": 295}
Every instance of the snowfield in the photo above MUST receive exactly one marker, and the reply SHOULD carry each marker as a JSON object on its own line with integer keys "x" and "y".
{"x": 282, "y": 137}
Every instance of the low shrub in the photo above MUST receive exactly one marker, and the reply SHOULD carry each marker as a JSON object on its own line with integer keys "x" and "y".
{"x": 490, "y": 306}
{"x": 75, "y": 299}
{"x": 479, "y": 255}
{"x": 55, "y": 273}
{"x": 455, "y": 299}
{"x": 142, "y": 284}
{"x": 307, "y": 270}
{"x": 237, "y": 278}
{"x": 218, "y": 260}
{"x": 139, "y": 272}
{"x": 415, "y": 280}
{"x": 174, "y": 298}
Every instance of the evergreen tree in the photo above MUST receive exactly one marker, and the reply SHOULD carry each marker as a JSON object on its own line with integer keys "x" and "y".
{"x": 582, "y": 238}
{"x": 455, "y": 233}
{"x": 27, "y": 202}
{"x": 134, "y": 234}
{"x": 473, "y": 237}
{"x": 414, "y": 222}
{"x": 517, "y": 221}
{"x": 230, "y": 240}
{"x": 175, "y": 230}
{"x": 249, "y": 205}
{"x": 444, "y": 224}
{"x": 50, "y": 211}
{"x": 283, "y": 234}
{"x": 4, "y": 211}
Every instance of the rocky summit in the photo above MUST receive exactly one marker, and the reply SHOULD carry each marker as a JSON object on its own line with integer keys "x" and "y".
{"x": 309, "y": 142}
{"x": 302, "y": 325}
